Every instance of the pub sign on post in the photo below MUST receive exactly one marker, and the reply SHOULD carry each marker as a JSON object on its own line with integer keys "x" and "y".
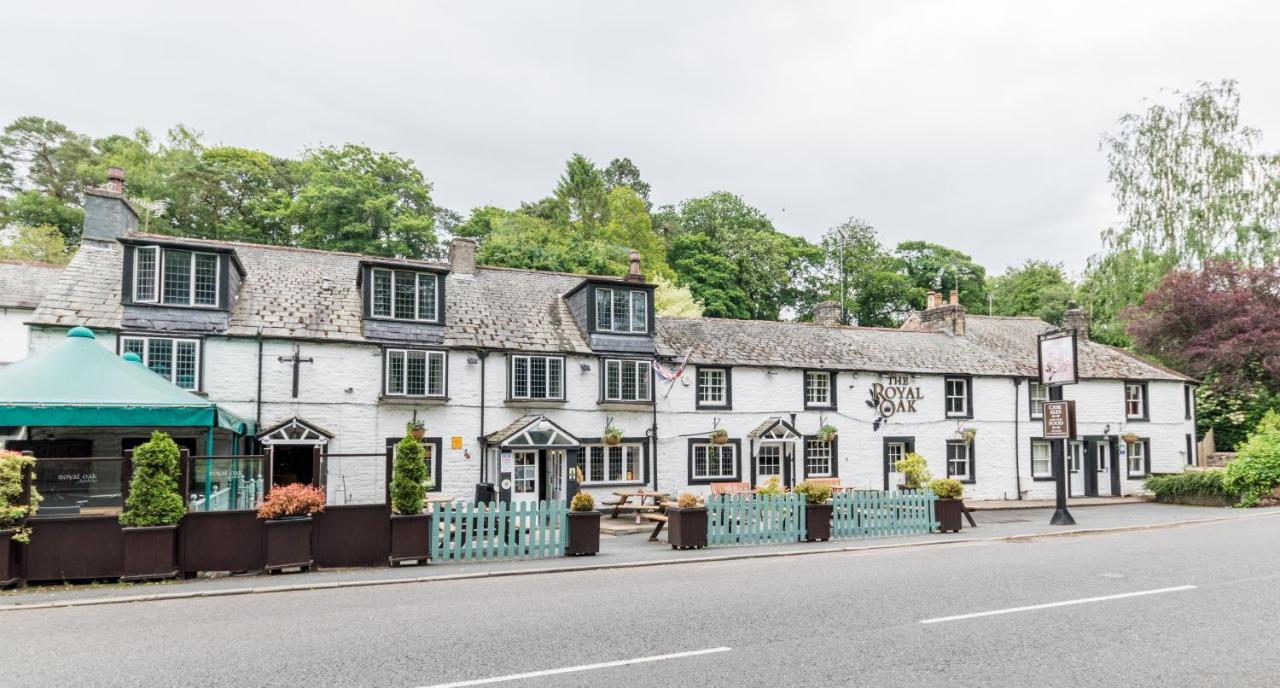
{"x": 1057, "y": 354}
{"x": 1059, "y": 420}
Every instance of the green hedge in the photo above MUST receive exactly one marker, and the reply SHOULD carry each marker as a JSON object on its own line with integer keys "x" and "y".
{"x": 1198, "y": 484}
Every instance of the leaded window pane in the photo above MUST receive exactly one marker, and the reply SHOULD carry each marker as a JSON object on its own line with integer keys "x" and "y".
{"x": 426, "y": 296}
{"x": 612, "y": 379}
{"x": 185, "y": 365}
{"x": 415, "y": 373}
{"x": 382, "y": 293}
{"x": 555, "y": 378}
{"x": 621, "y": 310}
{"x": 206, "y": 279}
{"x": 133, "y": 345}
{"x": 435, "y": 373}
{"x": 160, "y": 357}
{"x": 144, "y": 273}
{"x": 520, "y": 377}
{"x": 642, "y": 380}
{"x": 177, "y": 277}
{"x": 405, "y": 294}
{"x": 395, "y": 372}
{"x": 538, "y": 378}
{"x": 604, "y": 309}
{"x": 639, "y": 311}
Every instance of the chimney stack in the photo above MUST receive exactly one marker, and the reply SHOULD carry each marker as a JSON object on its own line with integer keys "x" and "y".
{"x": 633, "y": 271}
{"x": 1074, "y": 318}
{"x": 107, "y": 215}
{"x": 932, "y": 299}
{"x": 462, "y": 256}
{"x": 955, "y": 298}
{"x": 827, "y": 313}
{"x": 944, "y": 317}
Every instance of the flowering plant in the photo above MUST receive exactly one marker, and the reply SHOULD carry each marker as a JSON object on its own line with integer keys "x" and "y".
{"x": 292, "y": 500}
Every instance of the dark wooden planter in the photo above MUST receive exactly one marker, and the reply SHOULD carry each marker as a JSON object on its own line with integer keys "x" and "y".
{"x": 949, "y": 513}
{"x": 288, "y": 543}
{"x": 687, "y": 528}
{"x": 410, "y": 538}
{"x": 150, "y": 553}
{"x": 817, "y": 522}
{"x": 584, "y": 533}
{"x": 9, "y": 565}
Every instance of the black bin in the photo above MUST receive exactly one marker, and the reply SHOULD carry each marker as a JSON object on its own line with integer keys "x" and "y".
{"x": 485, "y": 493}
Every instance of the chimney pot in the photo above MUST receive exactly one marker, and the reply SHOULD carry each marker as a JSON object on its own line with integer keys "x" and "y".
{"x": 115, "y": 180}
{"x": 931, "y": 300}
{"x": 633, "y": 271}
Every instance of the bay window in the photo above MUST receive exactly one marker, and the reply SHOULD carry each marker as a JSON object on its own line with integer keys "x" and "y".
{"x": 415, "y": 373}
{"x": 176, "y": 360}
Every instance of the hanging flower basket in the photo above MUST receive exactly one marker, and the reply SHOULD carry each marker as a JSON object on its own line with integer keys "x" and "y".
{"x": 417, "y": 429}
{"x": 1129, "y": 437}
{"x": 719, "y": 436}
{"x": 968, "y": 434}
{"x": 827, "y": 433}
{"x": 612, "y": 436}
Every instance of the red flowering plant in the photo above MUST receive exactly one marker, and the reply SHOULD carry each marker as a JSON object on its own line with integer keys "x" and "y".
{"x": 297, "y": 499}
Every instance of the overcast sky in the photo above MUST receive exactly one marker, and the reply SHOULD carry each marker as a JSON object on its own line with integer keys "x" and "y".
{"x": 973, "y": 125}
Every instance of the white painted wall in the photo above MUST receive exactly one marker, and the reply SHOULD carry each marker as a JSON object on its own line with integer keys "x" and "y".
{"x": 340, "y": 391}
{"x": 13, "y": 334}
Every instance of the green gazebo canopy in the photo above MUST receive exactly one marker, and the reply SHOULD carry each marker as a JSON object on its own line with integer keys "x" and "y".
{"x": 80, "y": 383}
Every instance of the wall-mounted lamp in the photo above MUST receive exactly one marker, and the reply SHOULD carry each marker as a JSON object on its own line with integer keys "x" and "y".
{"x": 472, "y": 360}
{"x": 584, "y": 367}
{"x": 771, "y": 372}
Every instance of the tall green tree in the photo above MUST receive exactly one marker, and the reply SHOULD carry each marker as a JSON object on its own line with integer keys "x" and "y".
{"x": 630, "y": 226}
{"x": 876, "y": 292}
{"x": 520, "y": 241}
{"x": 41, "y": 244}
{"x": 1037, "y": 287}
{"x": 581, "y": 196}
{"x": 623, "y": 172}
{"x": 929, "y": 266}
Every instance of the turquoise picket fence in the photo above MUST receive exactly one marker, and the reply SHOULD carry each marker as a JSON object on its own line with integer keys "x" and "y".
{"x": 754, "y": 519}
{"x": 469, "y": 531}
{"x": 872, "y": 513}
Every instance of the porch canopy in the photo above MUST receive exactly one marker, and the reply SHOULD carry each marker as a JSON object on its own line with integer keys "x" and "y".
{"x": 78, "y": 383}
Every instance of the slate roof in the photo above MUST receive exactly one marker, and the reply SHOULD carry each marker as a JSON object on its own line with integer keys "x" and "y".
{"x": 993, "y": 346}
{"x": 23, "y": 284}
{"x": 305, "y": 293}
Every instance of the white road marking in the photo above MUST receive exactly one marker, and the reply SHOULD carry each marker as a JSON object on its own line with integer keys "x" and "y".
{"x": 1051, "y": 605}
{"x": 573, "y": 669}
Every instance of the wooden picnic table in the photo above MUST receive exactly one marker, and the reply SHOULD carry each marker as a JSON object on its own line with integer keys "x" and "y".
{"x": 639, "y": 507}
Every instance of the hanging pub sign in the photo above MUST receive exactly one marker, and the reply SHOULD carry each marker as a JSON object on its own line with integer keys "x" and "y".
{"x": 895, "y": 395}
{"x": 1057, "y": 358}
{"x": 1059, "y": 420}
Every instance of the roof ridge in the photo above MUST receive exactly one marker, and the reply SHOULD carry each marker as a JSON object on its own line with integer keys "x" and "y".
{"x": 802, "y": 323}
{"x": 32, "y": 263}
{"x": 278, "y": 247}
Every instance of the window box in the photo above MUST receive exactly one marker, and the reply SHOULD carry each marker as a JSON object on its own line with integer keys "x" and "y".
{"x": 958, "y": 396}
{"x": 714, "y": 463}
{"x": 819, "y": 389}
{"x": 714, "y": 388}
{"x": 535, "y": 378}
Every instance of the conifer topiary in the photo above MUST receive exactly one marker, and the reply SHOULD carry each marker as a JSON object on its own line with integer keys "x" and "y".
{"x": 154, "y": 499}
{"x": 408, "y": 478}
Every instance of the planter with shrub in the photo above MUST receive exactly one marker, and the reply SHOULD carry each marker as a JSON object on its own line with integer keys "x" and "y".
{"x": 687, "y": 523}
{"x": 584, "y": 526}
{"x": 410, "y": 528}
{"x": 152, "y": 511}
{"x": 817, "y": 510}
{"x": 15, "y": 481}
{"x": 949, "y": 508}
{"x": 915, "y": 471}
{"x": 287, "y": 514}
{"x": 1197, "y": 488}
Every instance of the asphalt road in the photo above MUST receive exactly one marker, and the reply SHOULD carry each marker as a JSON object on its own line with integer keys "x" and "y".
{"x": 824, "y": 620}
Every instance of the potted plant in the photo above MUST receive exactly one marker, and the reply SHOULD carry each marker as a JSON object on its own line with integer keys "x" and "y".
{"x": 410, "y": 528}
{"x": 950, "y": 505}
{"x": 1129, "y": 437}
{"x": 612, "y": 436}
{"x": 827, "y": 433}
{"x": 967, "y": 434}
{"x": 687, "y": 523}
{"x": 817, "y": 510}
{"x": 152, "y": 511}
{"x": 915, "y": 471}
{"x": 417, "y": 428}
{"x": 15, "y": 479}
{"x": 287, "y": 511}
{"x": 584, "y": 526}
{"x": 719, "y": 436}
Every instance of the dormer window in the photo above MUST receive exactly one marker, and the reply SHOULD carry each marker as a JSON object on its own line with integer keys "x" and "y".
{"x": 623, "y": 311}
{"x": 404, "y": 295}
{"x": 175, "y": 277}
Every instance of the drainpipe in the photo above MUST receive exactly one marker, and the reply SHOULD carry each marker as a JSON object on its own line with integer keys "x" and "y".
{"x": 257, "y": 419}
{"x": 484, "y": 450}
{"x": 653, "y": 442}
{"x": 1017, "y": 442}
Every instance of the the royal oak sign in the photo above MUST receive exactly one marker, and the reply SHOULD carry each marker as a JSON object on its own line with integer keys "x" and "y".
{"x": 893, "y": 396}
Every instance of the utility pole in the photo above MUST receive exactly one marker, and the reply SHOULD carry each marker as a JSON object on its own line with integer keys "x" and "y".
{"x": 844, "y": 315}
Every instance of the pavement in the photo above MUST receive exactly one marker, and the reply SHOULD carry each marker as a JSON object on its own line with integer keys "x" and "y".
{"x": 1190, "y": 605}
{"x": 632, "y": 550}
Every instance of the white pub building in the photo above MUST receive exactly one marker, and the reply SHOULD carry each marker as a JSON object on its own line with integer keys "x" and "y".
{"x": 517, "y": 373}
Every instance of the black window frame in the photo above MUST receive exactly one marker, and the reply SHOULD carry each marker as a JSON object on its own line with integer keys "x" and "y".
{"x": 804, "y": 456}
{"x": 222, "y": 278}
{"x": 728, "y": 387}
{"x": 511, "y": 381}
{"x": 593, "y": 312}
{"x": 1191, "y": 449}
{"x": 199, "y": 388}
{"x": 588, "y": 442}
{"x": 367, "y": 297}
{"x": 1146, "y": 400}
{"x": 973, "y": 460}
{"x": 1188, "y": 401}
{"x": 968, "y": 402}
{"x": 603, "y": 398}
{"x": 1146, "y": 460}
{"x": 386, "y": 352}
{"x": 437, "y": 458}
{"x": 833, "y": 401}
{"x": 737, "y": 461}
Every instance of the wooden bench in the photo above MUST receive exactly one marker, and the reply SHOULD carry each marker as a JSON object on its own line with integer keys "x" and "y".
{"x": 660, "y": 519}
{"x": 730, "y": 488}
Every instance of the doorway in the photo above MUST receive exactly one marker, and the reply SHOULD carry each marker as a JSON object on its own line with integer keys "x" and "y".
{"x": 557, "y": 465}
{"x": 895, "y": 448}
{"x": 524, "y": 475}
{"x": 771, "y": 463}
{"x": 1075, "y": 468}
{"x": 1101, "y": 476}
{"x": 294, "y": 463}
